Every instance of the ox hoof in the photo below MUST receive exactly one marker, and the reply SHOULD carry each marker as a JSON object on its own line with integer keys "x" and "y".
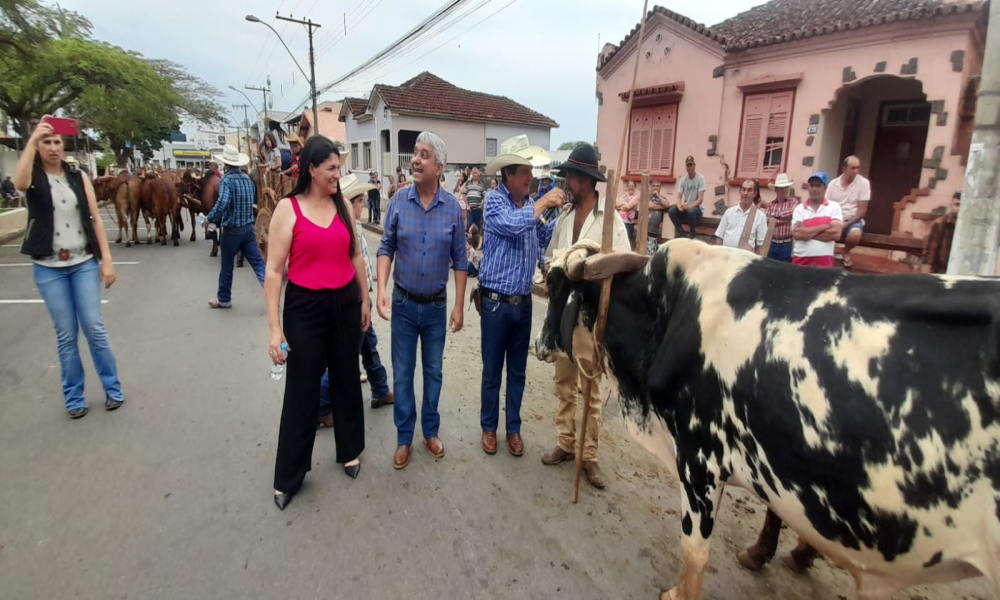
{"x": 176, "y": 243}
{"x": 750, "y": 562}
{"x": 796, "y": 566}
{"x": 670, "y": 595}
{"x": 128, "y": 244}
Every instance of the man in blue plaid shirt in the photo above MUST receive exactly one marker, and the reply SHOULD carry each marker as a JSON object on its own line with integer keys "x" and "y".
{"x": 234, "y": 211}
{"x": 425, "y": 236}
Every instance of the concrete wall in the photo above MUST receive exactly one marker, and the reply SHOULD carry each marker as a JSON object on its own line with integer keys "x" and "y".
{"x": 538, "y": 136}
{"x": 831, "y": 66}
{"x": 466, "y": 142}
{"x": 676, "y": 54}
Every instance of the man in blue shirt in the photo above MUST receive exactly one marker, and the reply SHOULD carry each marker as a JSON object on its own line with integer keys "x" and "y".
{"x": 516, "y": 235}
{"x": 234, "y": 211}
{"x": 424, "y": 234}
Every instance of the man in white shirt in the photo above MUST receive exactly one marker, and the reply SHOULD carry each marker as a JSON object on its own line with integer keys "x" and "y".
{"x": 816, "y": 226}
{"x": 584, "y": 220}
{"x": 852, "y": 192}
{"x": 734, "y": 220}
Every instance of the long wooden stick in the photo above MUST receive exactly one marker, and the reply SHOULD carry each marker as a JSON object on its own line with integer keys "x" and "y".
{"x": 606, "y": 245}
{"x": 766, "y": 248}
{"x": 642, "y": 227}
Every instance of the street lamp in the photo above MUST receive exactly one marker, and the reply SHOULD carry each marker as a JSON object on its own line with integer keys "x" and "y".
{"x": 247, "y": 97}
{"x": 312, "y": 57}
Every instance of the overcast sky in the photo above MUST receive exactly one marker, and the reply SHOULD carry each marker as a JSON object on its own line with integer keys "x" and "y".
{"x": 541, "y": 53}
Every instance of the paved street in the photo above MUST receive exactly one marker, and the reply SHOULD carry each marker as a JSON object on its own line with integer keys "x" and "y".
{"x": 170, "y": 497}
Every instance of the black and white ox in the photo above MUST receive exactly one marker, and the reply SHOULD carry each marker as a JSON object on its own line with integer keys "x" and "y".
{"x": 863, "y": 410}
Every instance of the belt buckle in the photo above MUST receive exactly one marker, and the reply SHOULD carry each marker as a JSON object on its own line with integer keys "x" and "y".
{"x": 514, "y": 300}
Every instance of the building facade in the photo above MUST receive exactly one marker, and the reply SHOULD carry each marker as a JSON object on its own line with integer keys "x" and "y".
{"x": 795, "y": 86}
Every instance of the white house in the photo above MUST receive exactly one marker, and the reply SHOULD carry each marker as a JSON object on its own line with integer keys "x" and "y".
{"x": 381, "y": 130}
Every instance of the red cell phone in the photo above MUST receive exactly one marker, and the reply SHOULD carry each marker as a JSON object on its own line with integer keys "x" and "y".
{"x": 62, "y": 126}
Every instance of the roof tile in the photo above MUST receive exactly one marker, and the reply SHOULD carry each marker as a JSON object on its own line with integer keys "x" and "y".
{"x": 430, "y": 95}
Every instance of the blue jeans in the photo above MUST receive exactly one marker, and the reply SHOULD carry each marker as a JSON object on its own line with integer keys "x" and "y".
{"x": 73, "y": 297}
{"x": 506, "y": 335}
{"x": 377, "y": 376}
{"x": 411, "y": 322}
{"x": 234, "y": 240}
{"x": 475, "y": 218}
{"x": 689, "y": 217}
{"x": 780, "y": 251}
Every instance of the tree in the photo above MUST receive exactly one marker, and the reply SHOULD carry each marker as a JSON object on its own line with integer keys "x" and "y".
{"x": 54, "y": 65}
{"x": 571, "y": 145}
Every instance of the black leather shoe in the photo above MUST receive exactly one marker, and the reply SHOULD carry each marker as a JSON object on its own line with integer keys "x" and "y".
{"x": 112, "y": 404}
{"x": 77, "y": 413}
{"x": 282, "y": 500}
{"x": 353, "y": 470}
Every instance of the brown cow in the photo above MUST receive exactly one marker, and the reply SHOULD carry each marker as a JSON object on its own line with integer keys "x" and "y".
{"x": 206, "y": 189}
{"x": 159, "y": 197}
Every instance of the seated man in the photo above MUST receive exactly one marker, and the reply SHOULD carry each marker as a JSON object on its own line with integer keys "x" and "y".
{"x": 852, "y": 192}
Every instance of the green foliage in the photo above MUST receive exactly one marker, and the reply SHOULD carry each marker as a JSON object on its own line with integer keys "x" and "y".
{"x": 104, "y": 161}
{"x": 571, "y": 145}
{"x": 53, "y": 64}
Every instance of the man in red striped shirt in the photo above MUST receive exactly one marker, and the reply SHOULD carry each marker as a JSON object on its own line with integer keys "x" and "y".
{"x": 816, "y": 226}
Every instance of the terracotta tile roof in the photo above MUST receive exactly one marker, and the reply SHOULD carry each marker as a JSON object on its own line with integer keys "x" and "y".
{"x": 781, "y": 21}
{"x": 785, "y": 20}
{"x": 357, "y": 105}
{"x": 666, "y": 88}
{"x": 428, "y": 94}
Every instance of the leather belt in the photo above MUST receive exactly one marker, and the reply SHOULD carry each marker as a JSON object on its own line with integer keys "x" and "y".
{"x": 498, "y": 297}
{"x": 441, "y": 296}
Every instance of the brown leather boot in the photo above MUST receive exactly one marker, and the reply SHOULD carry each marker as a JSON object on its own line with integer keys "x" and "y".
{"x": 401, "y": 458}
{"x": 557, "y": 456}
{"x": 383, "y": 401}
{"x": 515, "y": 444}
{"x": 490, "y": 442}
{"x": 325, "y": 421}
{"x": 435, "y": 445}
{"x": 594, "y": 474}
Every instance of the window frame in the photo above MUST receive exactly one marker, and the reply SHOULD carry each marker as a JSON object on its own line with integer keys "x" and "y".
{"x": 657, "y": 174}
{"x": 761, "y": 175}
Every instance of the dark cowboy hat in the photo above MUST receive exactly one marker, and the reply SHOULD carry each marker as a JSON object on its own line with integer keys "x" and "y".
{"x": 582, "y": 160}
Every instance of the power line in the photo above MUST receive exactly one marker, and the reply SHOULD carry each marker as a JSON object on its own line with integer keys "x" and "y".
{"x": 274, "y": 46}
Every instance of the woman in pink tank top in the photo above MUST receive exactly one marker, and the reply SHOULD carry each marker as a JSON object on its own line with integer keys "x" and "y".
{"x": 326, "y": 309}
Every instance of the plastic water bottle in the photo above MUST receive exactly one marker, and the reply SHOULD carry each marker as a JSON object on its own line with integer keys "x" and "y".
{"x": 278, "y": 370}
{"x": 200, "y": 219}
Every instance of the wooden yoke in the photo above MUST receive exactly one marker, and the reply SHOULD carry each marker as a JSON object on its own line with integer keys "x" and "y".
{"x": 606, "y": 246}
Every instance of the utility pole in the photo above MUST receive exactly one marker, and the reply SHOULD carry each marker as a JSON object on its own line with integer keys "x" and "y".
{"x": 977, "y": 232}
{"x": 310, "y": 26}
{"x": 246, "y": 122}
{"x": 265, "y": 91}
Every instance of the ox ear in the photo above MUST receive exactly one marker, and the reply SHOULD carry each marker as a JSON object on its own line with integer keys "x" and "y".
{"x": 603, "y": 266}
{"x": 570, "y": 317}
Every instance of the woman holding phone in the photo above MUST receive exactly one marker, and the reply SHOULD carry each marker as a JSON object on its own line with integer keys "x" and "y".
{"x": 65, "y": 243}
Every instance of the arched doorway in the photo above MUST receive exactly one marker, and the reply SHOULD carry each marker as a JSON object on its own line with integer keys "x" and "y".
{"x": 882, "y": 120}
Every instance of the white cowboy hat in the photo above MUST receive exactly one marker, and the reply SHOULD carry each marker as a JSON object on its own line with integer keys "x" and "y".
{"x": 350, "y": 187}
{"x": 518, "y": 151}
{"x": 781, "y": 181}
{"x": 71, "y": 160}
{"x": 231, "y": 156}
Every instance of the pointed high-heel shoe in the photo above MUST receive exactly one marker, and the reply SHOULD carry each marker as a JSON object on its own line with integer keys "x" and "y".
{"x": 281, "y": 500}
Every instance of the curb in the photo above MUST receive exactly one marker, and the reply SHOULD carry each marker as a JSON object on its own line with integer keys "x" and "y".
{"x": 14, "y": 235}
{"x": 373, "y": 228}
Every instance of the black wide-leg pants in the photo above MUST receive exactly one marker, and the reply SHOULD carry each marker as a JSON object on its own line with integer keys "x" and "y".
{"x": 323, "y": 329}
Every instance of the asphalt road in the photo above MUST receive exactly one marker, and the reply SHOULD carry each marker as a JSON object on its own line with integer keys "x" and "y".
{"x": 170, "y": 496}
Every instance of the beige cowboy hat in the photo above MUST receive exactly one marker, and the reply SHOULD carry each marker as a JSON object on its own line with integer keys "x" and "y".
{"x": 293, "y": 139}
{"x": 71, "y": 160}
{"x": 781, "y": 181}
{"x": 518, "y": 151}
{"x": 231, "y": 156}
{"x": 350, "y": 187}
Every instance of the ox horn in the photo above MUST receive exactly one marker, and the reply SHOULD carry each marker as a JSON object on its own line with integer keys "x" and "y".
{"x": 603, "y": 266}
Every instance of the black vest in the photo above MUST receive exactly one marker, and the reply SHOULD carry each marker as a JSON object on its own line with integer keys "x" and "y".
{"x": 38, "y": 237}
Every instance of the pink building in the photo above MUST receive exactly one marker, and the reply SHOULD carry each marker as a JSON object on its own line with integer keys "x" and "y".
{"x": 795, "y": 86}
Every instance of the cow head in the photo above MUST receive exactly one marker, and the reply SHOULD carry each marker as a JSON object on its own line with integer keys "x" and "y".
{"x": 574, "y": 284}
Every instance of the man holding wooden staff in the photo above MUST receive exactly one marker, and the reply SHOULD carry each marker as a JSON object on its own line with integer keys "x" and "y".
{"x": 583, "y": 220}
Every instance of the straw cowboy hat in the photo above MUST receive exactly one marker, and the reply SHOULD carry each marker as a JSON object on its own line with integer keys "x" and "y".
{"x": 781, "y": 181}
{"x": 518, "y": 151}
{"x": 293, "y": 139}
{"x": 582, "y": 159}
{"x": 350, "y": 187}
{"x": 233, "y": 157}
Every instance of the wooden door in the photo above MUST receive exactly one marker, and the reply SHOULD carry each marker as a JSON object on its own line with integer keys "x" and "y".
{"x": 896, "y": 162}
